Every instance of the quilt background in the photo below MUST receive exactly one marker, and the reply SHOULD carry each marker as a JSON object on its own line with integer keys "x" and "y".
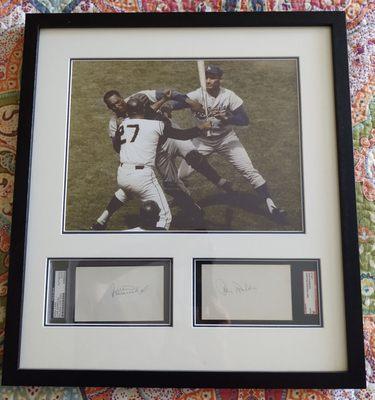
{"x": 361, "y": 41}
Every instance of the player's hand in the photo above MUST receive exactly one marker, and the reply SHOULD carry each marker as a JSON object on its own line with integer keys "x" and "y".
{"x": 194, "y": 105}
{"x": 166, "y": 110}
{"x": 205, "y": 126}
{"x": 167, "y": 94}
{"x": 222, "y": 115}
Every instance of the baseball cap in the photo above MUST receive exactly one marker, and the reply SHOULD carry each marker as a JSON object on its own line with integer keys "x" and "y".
{"x": 214, "y": 71}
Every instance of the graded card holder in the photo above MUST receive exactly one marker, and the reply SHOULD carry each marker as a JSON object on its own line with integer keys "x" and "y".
{"x": 107, "y": 292}
{"x": 269, "y": 293}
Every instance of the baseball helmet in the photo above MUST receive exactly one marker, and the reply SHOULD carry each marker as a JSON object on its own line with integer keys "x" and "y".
{"x": 135, "y": 106}
{"x": 214, "y": 71}
{"x": 149, "y": 212}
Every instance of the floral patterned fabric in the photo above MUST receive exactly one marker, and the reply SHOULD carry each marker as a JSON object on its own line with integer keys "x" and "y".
{"x": 360, "y": 25}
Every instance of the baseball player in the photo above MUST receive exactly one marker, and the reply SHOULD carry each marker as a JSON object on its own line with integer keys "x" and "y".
{"x": 166, "y": 155}
{"x": 225, "y": 110}
{"x": 136, "y": 140}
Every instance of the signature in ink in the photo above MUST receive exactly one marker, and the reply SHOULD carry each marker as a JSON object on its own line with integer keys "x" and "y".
{"x": 127, "y": 290}
{"x": 233, "y": 288}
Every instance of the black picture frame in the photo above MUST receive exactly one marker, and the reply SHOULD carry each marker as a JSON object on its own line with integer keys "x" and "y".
{"x": 353, "y": 377}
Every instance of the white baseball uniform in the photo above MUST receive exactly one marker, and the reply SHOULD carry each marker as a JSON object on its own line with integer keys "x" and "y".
{"x": 222, "y": 139}
{"x": 139, "y": 141}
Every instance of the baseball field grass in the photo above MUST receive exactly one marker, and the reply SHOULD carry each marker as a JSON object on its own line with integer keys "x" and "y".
{"x": 269, "y": 89}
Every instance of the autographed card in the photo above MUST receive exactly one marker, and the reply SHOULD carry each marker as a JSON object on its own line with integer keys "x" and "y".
{"x": 246, "y": 292}
{"x": 119, "y": 294}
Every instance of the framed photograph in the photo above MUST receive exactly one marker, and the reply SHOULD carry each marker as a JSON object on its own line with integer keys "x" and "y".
{"x": 184, "y": 211}
{"x": 204, "y": 190}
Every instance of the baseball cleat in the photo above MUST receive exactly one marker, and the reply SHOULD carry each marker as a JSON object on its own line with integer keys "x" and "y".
{"x": 227, "y": 187}
{"x": 196, "y": 213}
{"x": 197, "y": 218}
{"x": 97, "y": 226}
{"x": 277, "y": 214}
{"x": 198, "y": 210}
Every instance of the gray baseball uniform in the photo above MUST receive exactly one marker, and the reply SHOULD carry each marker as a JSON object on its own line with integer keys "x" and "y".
{"x": 222, "y": 138}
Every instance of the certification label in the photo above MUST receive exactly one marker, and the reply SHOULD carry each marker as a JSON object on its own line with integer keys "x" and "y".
{"x": 59, "y": 295}
{"x": 310, "y": 292}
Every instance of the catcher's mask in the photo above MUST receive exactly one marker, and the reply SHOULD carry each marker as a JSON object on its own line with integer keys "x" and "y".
{"x": 149, "y": 213}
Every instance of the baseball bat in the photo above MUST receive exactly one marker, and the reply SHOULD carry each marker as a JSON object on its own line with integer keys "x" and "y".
{"x": 202, "y": 80}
